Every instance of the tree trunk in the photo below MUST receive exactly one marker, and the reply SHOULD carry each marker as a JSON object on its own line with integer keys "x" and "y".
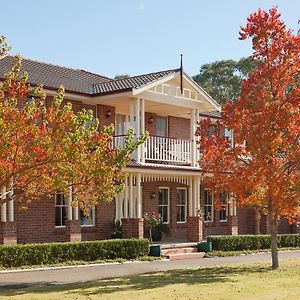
{"x": 274, "y": 242}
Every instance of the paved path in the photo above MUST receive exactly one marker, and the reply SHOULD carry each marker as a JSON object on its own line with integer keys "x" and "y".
{"x": 88, "y": 273}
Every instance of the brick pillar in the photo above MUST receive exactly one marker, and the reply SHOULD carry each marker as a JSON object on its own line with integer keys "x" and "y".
{"x": 133, "y": 228}
{"x": 232, "y": 225}
{"x": 8, "y": 233}
{"x": 296, "y": 226}
{"x": 73, "y": 231}
{"x": 194, "y": 229}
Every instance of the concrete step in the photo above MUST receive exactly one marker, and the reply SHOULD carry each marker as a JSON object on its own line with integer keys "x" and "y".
{"x": 179, "y": 256}
{"x": 167, "y": 251}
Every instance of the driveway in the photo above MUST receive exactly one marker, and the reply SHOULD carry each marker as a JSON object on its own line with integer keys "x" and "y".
{"x": 63, "y": 275}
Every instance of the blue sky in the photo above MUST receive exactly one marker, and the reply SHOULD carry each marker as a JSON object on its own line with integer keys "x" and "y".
{"x": 130, "y": 36}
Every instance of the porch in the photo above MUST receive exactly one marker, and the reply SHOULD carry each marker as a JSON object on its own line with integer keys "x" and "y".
{"x": 177, "y": 199}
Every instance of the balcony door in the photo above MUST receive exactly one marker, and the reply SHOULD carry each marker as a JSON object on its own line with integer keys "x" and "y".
{"x": 162, "y": 126}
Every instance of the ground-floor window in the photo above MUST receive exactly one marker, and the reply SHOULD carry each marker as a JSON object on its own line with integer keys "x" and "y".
{"x": 163, "y": 204}
{"x": 61, "y": 211}
{"x": 61, "y": 208}
{"x": 181, "y": 205}
{"x": 208, "y": 206}
{"x": 87, "y": 219}
{"x": 223, "y": 206}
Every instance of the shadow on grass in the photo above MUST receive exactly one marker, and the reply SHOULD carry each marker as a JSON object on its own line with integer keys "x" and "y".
{"x": 137, "y": 282}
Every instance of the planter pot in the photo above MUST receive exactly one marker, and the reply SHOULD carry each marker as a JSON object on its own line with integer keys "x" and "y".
{"x": 154, "y": 250}
{"x": 116, "y": 235}
{"x": 205, "y": 247}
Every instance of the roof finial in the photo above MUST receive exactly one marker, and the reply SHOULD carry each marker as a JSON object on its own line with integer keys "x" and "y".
{"x": 181, "y": 75}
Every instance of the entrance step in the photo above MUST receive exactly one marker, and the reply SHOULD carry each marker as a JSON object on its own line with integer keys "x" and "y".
{"x": 181, "y": 251}
{"x": 168, "y": 251}
{"x": 186, "y": 255}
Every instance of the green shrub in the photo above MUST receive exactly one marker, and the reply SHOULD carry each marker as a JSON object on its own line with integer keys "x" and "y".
{"x": 53, "y": 253}
{"x": 252, "y": 242}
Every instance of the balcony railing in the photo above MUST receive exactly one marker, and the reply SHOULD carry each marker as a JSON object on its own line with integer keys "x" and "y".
{"x": 163, "y": 150}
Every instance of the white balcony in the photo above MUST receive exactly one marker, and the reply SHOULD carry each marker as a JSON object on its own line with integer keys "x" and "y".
{"x": 163, "y": 150}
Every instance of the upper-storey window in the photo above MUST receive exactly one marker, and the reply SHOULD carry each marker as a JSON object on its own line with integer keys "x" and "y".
{"x": 120, "y": 124}
{"x": 162, "y": 126}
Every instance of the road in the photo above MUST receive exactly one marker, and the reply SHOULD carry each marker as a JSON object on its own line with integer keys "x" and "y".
{"x": 26, "y": 278}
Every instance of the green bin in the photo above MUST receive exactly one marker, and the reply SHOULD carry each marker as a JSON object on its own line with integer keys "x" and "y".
{"x": 154, "y": 250}
{"x": 205, "y": 247}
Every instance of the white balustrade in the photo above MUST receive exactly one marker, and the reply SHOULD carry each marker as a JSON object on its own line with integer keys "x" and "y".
{"x": 175, "y": 91}
{"x": 163, "y": 149}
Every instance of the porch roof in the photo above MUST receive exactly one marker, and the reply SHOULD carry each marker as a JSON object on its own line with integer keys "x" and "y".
{"x": 134, "y": 164}
{"x": 127, "y": 84}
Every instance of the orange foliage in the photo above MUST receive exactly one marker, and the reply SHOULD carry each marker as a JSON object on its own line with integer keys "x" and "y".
{"x": 264, "y": 171}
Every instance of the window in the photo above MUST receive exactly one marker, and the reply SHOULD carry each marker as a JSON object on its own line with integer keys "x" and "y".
{"x": 61, "y": 209}
{"x": 208, "y": 206}
{"x": 161, "y": 126}
{"x": 89, "y": 218}
{"x": 163, "y": 205}
{"x": 223, "y": 206}
{"x": 228, "y": 133}
{"x": 181, "y": 205}
{"x": 120, "y": 124}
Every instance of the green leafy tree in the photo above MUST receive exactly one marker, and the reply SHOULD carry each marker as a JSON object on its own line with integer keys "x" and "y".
{"x": 223, "y": 79}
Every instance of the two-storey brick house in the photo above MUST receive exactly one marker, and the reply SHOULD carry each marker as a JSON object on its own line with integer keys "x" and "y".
{"x": 164, "y": 175}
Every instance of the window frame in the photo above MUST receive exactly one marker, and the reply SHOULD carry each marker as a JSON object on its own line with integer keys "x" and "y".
{"x": 61, "y": 207}
{"x": 93, "y": 210}
{"x": 178, "y": 206}
{"x": 167, "y": 126}
{"x": 168, "y": 205}
{"x": 208, "y": 205}
{"x": 224, "y": 206}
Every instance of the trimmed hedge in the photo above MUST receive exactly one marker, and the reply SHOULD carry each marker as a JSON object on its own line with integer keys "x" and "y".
{"x": 53, "y": 253}
{"x": 252, "y": 242}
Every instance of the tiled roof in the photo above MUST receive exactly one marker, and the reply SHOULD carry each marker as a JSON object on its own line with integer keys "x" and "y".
{"x": 78, "y": 81}
{"x": 52, "y": 76}
{"x": 126, "y": 84}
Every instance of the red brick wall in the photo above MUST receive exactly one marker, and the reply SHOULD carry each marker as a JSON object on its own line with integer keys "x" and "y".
{"x": 178, "y": 231}
{"x": 179, "y": 128}
{"x": 102, "y": 111}
{"x": 150, "y": 125}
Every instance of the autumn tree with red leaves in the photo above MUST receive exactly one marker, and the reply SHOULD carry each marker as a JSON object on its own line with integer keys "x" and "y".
{"x": 49, "y": 148}
{"x": 262, "y": 168}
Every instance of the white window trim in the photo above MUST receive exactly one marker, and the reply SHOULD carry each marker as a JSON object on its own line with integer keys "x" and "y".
{"x": 185, "y": 204}
{"x": 93, "y": 218}
{"x": 168, "y": 206}
{"x": 226, "y": 211}
{"x": 167, "y": 125}
{"x": 212, "y": 207}
{"x": 55, "y": 205}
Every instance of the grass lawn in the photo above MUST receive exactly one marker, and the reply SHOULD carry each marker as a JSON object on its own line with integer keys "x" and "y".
{"x": 243, "y": 281}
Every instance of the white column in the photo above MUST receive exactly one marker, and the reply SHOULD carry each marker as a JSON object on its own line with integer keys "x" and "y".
{"x": 76, "y": 213}
{"x": 3, "y": 205}
{"x": 117, "y": 202}
{"x": 11, "y": 207}
{"x": 194, "y": 196}
{"x": 198, "y": 195}
{"x": 142, "y": 129}
{"x": 192, "y": 137}
{"x": 131, "y": 110}
{"x": 69, "y": 204}
{"x": 191, "y": 197}
{"x": 137, "y": 128}
{"x": 197, "y": 139}
{"x": 139, "y": 195}
{"x": 126, "y": 198}
{"x": 131, "y": 208}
